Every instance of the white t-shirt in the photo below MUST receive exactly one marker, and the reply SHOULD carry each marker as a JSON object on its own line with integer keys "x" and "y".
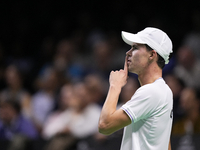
{"x": 150, "y": 110}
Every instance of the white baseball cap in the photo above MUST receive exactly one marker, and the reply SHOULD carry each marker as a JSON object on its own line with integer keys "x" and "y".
{"x": 153, "y": 37}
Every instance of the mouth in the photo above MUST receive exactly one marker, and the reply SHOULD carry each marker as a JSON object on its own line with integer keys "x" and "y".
{"x": 128, "y": 61}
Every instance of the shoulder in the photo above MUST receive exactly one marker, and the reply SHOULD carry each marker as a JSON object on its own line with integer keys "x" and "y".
{"x": 147, "y": 90}
{"x": 159, "y": 86}
{"x": 152, "y": 93}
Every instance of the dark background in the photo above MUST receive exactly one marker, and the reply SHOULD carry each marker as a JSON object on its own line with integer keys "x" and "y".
{"x": 25, "y": 25}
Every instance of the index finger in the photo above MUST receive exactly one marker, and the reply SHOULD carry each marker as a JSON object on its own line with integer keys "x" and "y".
{"x": 126, "y": 65}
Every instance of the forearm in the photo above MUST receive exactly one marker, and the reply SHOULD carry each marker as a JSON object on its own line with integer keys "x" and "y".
{"x": 169, "y": 147}
{"x": 111, "y": 119}
{"x": 109, "y": 106}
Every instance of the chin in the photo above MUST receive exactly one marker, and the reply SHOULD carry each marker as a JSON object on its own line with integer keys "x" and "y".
{"x": 132, "y": 71}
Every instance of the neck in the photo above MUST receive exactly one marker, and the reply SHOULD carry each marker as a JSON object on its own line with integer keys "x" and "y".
{"x": 150, "y": 75}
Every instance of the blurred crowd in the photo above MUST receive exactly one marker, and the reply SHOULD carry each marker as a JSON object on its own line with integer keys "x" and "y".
{"x": 50, "y": 99}
{"x": 62, "y": 104}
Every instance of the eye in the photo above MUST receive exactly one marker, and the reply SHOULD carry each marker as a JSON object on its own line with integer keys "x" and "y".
{"x": 134, "y": 47}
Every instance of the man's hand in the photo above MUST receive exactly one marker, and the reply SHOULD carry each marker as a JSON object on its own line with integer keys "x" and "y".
{"x": 119, "y": 78}
{"x": 112, "y": 119}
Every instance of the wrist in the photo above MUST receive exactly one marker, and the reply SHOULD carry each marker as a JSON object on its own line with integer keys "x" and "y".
{"x": 115, "y": 88}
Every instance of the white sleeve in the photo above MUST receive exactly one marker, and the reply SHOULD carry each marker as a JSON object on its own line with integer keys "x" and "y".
{"x": 141, "y": 105}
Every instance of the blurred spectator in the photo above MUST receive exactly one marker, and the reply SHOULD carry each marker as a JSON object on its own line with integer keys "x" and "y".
{"x": 44, "y": 100}
{"x": 128, "y": 90}
{"x": 55, "y": 119}
{"x": 14, "y": 126}
{"x": 96, "y": 86}
{"x": 100, "y": 141}
{"x": 176, "y": 85}
{"x": 104, "y": 57}
{"x": 78, "y": 121}
{"x": 65, "y": 96}
{"x": 66, "y": 61}
{"x": 188, "y": 67}
{"x": 15, "y": 90}
{"x": 190, "y": 122}
{"x": 192, "y": 40}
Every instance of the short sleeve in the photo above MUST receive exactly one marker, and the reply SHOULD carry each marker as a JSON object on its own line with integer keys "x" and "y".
{"x": 141, "y": 104}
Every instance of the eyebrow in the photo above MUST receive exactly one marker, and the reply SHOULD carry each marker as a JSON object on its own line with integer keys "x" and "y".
{"x": 135, "y": 45}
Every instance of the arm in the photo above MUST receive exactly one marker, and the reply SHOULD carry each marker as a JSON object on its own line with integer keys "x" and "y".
{"x": 111, "y": 119}
{"x": 169, "y": 147}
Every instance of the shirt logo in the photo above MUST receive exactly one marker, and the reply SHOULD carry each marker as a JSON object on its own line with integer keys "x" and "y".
{"x": 171, "y": 114}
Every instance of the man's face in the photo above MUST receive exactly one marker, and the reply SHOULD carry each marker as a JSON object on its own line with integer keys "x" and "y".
{"x": 138, "y": 58}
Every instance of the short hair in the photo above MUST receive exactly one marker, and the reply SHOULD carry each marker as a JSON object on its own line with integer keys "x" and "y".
{"x": 160, "y": 61}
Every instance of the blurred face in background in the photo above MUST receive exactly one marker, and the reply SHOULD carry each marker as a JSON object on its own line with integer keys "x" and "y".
{"x": 96, "y": 87}
{"x": 64, "y": 55}
{"x": 186, "y": 57}
{"x": 7, "y": 112}
{"x": 49, "y": 80}
{"x": 188, "y": 100}
{"x": 66, "y": 96}
{"x": 12, "y": 77}
{"x": 79, "y": 97}
{"x": 174, "y": 85}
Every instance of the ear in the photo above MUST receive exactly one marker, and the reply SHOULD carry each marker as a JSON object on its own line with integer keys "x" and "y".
{"x": 153, "y": 55}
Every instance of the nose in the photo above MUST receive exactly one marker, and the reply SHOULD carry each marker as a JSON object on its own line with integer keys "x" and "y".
{"x": 128, "y": 53}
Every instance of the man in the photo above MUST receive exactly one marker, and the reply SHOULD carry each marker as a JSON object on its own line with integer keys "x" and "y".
{"x": 147, "y": 117}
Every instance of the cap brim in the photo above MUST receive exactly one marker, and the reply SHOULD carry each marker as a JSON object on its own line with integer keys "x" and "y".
{"x": 130, "y": 38}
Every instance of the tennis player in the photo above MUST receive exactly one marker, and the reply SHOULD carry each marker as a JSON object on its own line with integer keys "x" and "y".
{"x": 147, "y": 116}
